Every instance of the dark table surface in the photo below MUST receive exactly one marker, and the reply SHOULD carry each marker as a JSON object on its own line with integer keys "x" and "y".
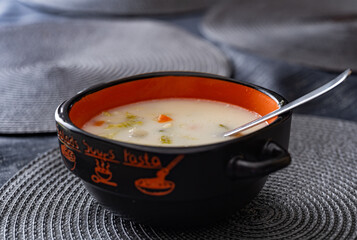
{"x": 291, "y": 81}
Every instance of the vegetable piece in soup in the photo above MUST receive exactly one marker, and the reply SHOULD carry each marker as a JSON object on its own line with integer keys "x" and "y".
{"x": 171, "y": 122}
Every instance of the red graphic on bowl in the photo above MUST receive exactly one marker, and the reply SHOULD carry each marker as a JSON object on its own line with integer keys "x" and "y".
{"x": 69, "y": 141}
{"x": 158, "y": 186}
{"x": 69, "y": 155}
{"x": 103, "y": 173}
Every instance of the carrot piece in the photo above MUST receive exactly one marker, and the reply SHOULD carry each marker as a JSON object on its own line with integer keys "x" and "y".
{"x": 98, "y": 123}
{"x": 163, "y": 118}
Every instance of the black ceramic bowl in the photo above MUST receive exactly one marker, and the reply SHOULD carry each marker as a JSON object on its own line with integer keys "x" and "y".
{"x": 173, "y": 185}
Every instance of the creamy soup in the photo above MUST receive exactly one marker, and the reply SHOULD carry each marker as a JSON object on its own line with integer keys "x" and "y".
{"x": 171, "y": 122}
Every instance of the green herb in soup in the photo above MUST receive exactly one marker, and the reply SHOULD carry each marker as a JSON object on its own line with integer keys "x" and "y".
{"x": 107, "y": 114}
{"x": 171, "y": 122}
{"x": 165, "y": 139}
{"x": 130, "y": 116}
{"x": 125, "y": 124}
{"x": 224, "y": 126}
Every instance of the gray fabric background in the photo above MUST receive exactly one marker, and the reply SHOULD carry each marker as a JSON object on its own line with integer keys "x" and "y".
{"x": 320, "y": 33}
{"x": 43, "y": 64}
{"x": 119, "y": 7}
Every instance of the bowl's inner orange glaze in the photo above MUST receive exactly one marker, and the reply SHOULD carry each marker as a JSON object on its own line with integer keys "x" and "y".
{"x": 170, "y": 87}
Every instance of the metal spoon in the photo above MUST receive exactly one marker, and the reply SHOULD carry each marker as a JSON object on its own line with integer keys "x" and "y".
{"x": 314, "y": 94}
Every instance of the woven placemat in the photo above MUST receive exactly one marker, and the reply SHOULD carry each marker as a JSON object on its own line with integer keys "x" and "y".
{"x": 314, "y": 198}
{"x": 43, "y": 64}
{"x": 119, "y": 7}
{"x": 319, "y": 33}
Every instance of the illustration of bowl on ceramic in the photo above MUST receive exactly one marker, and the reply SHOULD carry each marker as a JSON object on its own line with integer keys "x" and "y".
{"x": 158, "y": 186}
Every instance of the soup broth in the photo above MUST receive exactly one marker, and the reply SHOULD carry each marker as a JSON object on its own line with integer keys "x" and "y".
{"x": 171, "y": 122}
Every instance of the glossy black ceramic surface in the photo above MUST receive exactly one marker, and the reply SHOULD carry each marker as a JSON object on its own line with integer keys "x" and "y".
{"x": 164, "y": 185}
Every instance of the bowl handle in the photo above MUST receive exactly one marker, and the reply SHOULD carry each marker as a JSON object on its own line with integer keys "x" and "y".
{"x": 272, "y": 158}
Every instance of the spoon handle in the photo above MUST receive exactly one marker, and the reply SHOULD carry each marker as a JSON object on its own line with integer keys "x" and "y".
{"x": 306, "y": 98}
